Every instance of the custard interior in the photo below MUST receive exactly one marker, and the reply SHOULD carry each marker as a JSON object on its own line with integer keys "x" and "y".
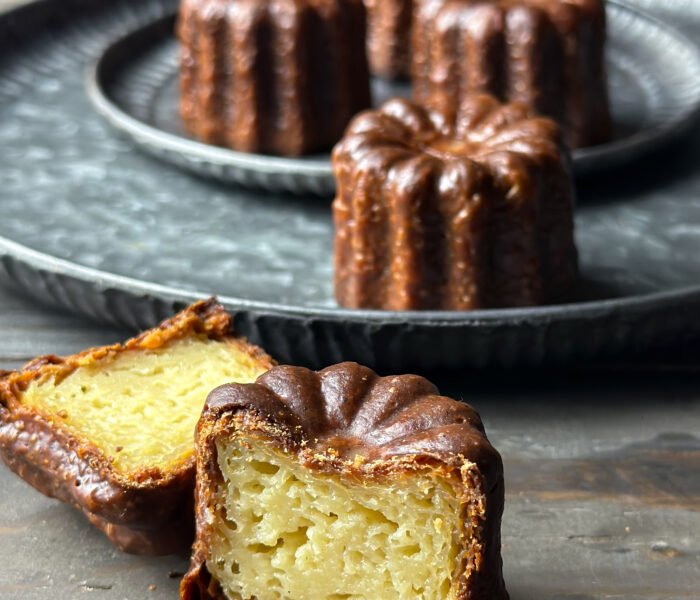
{"x": 140, "y": 407}
{"x": 286, "y": 532}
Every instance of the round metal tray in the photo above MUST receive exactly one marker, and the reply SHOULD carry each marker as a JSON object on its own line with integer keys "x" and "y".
{"x": 654, "y": 81}
{"x": 92, "y": 225}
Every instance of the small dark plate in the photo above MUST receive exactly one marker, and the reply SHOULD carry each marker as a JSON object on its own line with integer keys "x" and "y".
{"x": 654, "y": 80}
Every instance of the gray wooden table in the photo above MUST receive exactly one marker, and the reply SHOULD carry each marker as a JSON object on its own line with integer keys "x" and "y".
{"x": 602, "y": 476}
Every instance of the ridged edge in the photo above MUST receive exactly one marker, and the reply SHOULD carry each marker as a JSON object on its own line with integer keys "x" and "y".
{"x": 530, "y": 337}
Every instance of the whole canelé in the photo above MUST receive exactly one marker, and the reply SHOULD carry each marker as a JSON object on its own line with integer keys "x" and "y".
{"x": 389, "y": 37}
{"x": 431, "y": 214}
{"x": 548, "y": 54}
{"x": 272, "y": 76}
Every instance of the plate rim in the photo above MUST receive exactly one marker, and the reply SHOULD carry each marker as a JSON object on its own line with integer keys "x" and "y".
{"x": 43, "y": 262}
{"x": 644, "y": 141}
{"x": 156, "y": 141}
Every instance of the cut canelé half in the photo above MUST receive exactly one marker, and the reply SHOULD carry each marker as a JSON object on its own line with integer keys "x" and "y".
{"x": 111, "y": 430}
{"x": 340, "y": 484}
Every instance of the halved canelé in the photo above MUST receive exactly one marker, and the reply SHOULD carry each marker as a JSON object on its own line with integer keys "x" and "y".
{"x": 340, "y": 484}
{"x": 111, "y": 430}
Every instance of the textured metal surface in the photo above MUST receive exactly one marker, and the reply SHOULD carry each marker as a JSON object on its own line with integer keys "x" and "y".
{"x": 602, "y": 483}
{"x": 166, "y": 238}
{"x": 683, "y": 14}
{"x": 654, "y": 80}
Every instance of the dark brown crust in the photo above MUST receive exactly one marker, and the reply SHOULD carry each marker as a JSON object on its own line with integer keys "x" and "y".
{"x": 389, "y": 37}
{"x": 442, "y": 215}
{"x": 547, "y": 54}
{"x": 147, "y": 512}
{"x": 272, "y": 76}
{"x": 347, "y": 421}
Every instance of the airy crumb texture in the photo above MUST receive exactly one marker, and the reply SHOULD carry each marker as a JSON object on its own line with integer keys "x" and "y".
{"x": 286, "y": 532}
{"x": 111, "y": 430}
{"x": 140, "y": 407}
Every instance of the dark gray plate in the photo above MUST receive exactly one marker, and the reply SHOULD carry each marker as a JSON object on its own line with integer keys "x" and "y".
{"x": 654, "y": 80}
{"x": 88, "y": 223}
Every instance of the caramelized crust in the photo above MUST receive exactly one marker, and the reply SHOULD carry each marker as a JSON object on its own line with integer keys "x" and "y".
{"x": 272, "y": 76}
{"x": 434, "y": 214}
{"x": 389, "y": 37}
{"x": 146, "y": 510}
{"x": 547, "y": 54}
{"x": 348, "y": 423}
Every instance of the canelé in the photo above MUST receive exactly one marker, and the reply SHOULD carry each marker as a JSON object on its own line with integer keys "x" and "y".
{"x": 111, "y": 430}
{"x": 272, "y": 76}
{"x": 432, "y": 214}
{"x": 342, "y": 484}
{"x": 549, "y": 54}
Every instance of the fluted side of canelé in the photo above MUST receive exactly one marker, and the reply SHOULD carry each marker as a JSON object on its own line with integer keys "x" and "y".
{"x": 389, "y": 37}
{"x": 272, "y": 76}
{"x": 355, "y": 412}
{"x": 549, "y": 55}
{"x": 422, "y": 226}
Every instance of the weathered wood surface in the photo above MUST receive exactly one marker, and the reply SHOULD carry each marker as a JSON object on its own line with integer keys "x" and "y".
{"x": 602, "y": 477}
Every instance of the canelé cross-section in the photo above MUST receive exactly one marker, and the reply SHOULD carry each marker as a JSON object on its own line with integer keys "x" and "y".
{"x": 342, "y": 484}
{"x": 111, "y": 430}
